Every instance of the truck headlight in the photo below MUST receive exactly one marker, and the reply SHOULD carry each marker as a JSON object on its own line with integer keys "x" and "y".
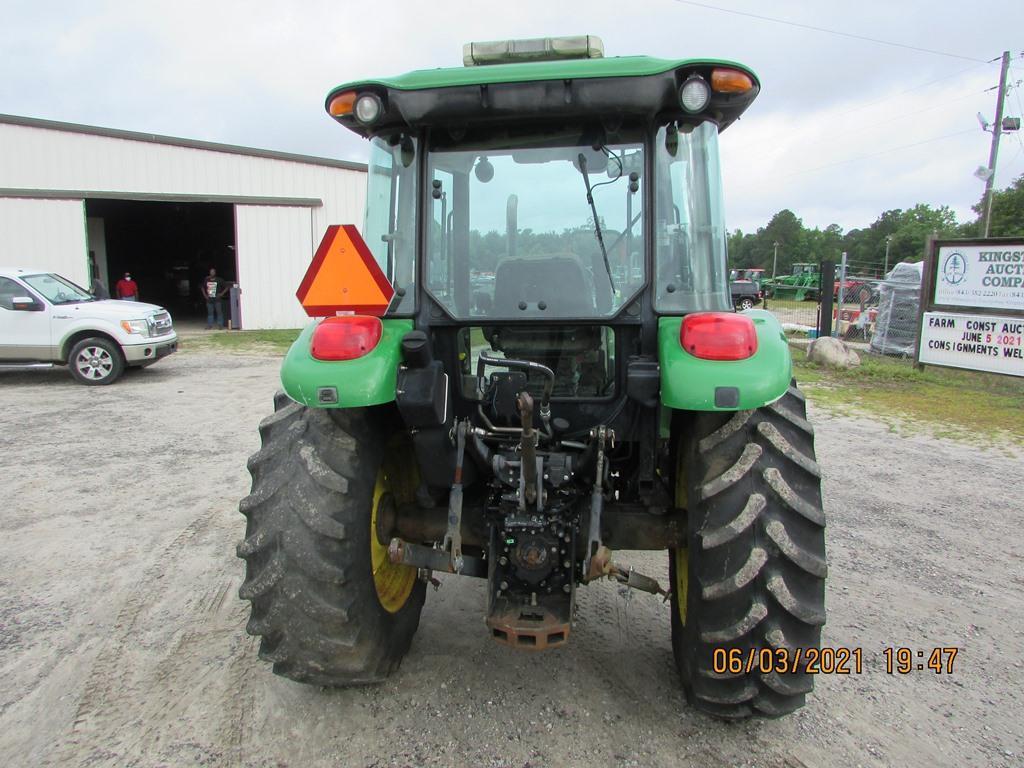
{"x": 140, "y": 327}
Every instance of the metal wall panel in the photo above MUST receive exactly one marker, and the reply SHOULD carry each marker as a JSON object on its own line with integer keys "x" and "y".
{"x": 46, "y": 235}
{"x": 274, "y": 248}
{"x": 38, "y": 158}
{"x": 270, "y": 264}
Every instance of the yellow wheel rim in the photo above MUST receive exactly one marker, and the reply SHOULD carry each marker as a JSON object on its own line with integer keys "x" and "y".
{"x": 682, "y": 581}
{"x": 394, "y": 583}
{"x": 682, "y": 553}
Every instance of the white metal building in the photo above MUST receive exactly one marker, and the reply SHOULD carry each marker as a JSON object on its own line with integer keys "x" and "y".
{"x": 86, "y": 201}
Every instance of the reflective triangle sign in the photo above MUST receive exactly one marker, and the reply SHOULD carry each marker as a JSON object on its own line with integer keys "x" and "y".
{"x": 344, "y": 277}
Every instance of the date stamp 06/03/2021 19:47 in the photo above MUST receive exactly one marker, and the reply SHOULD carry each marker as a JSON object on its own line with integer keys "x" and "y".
{"x": 833, "y": 661}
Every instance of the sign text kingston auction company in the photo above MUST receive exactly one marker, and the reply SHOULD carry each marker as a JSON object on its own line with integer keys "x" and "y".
{"x": 982, "y": 276}
{"x": 990, "y": 276}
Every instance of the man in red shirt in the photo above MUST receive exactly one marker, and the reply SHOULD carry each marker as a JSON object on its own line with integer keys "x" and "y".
{"x": 127, "y": 289}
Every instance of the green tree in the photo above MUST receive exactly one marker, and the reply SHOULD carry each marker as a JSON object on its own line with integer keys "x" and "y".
{"x": 1007, "y": 212}
{"x": 916, "y": 225}
{"x": 908, "y": 231}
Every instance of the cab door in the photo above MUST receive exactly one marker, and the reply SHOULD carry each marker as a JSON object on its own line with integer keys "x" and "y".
{"x": 24, "y": 333}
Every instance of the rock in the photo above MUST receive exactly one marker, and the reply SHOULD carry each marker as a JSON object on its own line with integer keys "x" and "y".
{"x": 832, "y": 353}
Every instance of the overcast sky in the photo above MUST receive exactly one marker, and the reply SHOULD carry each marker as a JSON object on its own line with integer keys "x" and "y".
{"x": 829, "y": 137}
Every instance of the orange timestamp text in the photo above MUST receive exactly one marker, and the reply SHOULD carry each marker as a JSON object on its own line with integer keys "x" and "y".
{"x": 829, "y": 661}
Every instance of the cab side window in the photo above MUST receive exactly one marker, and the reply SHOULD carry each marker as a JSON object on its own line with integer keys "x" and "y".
{"x": 8, "y": 290}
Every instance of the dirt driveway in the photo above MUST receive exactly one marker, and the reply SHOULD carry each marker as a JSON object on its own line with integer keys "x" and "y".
{"x": 122, "y": 642}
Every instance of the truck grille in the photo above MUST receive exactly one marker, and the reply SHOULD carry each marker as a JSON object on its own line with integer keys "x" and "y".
{"x": 160, "y": 324}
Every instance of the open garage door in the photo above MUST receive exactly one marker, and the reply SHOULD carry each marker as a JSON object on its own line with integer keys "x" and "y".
{"x": 168, "y": 247}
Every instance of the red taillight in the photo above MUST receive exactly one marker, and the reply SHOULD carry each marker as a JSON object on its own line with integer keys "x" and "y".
{"x": 345, "y": 337}
{"x": 718, "y": 336}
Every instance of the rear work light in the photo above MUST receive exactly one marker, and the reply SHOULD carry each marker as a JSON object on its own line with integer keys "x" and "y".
{"x": 694, "y": 94}
{"x": 368, "y": 108}
{"x": 718, "y": 336}
{"x": 346, "y": 337}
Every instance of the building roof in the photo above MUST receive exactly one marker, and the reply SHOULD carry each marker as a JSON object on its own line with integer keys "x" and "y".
{"x": 154, "y": 138}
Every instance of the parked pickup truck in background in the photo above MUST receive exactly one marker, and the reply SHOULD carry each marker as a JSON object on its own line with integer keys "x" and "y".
{"x": 47, "y": 320}
{"x": 746, "y": 294}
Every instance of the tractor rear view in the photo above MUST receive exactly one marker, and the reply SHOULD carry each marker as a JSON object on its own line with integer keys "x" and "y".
{"x": 556, "y": 373}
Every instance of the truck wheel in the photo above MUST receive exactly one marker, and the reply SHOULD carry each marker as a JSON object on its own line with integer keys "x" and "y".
{"x": 753, "y": 574}
{"x": 96, "y": 361}
{"x": 329, "y": 606}
{"x": 746, "y": 303}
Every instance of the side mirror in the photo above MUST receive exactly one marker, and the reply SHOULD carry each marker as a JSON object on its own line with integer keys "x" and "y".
{"x": 26, "y": 304}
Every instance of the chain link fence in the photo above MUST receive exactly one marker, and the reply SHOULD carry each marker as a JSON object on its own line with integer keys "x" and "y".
{"x": 795, "y": 298}
{"x": 874, "y": 308}
{"x": 877, "y": 307}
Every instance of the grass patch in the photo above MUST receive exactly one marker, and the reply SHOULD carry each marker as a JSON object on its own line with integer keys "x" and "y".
{"x": 950, "y": 402}
{"x": 809, "y": 306}
{"x": 241, "y": 342}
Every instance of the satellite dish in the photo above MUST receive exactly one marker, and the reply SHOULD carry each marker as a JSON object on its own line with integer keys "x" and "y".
{"x": 983, "y": 173}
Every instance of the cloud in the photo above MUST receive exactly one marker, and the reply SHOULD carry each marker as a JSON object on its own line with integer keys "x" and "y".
{"x": 256, "y": 73}
{"x": 830, "y": 163}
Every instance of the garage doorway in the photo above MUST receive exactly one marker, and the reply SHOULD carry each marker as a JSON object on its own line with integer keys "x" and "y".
{"x": 168, "y": 247}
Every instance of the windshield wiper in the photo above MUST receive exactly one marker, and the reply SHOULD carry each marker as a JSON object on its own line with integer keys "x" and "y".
{"x": 597, "y": 224}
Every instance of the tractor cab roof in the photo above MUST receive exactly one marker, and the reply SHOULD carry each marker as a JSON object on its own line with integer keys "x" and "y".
{"x": 560, "y": 88}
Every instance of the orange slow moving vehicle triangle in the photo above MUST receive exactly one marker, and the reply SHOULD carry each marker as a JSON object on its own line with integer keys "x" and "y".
{"x": 344, "y": 277}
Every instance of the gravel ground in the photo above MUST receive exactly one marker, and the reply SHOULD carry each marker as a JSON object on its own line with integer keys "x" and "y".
{"x": 122, "y": 642}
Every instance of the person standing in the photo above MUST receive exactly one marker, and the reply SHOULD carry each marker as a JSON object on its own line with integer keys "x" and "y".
{"x": 214, "y": 290}
{"x": 127, "y": 289}
{"x": 98, "y": 289}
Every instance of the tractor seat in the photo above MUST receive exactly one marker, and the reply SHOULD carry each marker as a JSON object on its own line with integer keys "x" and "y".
{"x": 558, "y": 281}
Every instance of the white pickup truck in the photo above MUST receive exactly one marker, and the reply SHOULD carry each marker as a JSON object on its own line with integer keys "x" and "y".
{"x": 47, "y": 320}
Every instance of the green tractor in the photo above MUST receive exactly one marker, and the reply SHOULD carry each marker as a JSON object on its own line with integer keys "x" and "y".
{"x": 803, "y": 283}
{"x": 559, "y": 376}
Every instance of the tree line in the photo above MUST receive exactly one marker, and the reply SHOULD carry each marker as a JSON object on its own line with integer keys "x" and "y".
{"x": 865, "y": 248}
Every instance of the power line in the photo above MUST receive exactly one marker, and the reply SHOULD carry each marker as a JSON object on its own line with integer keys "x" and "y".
{"x": 872, "y": 155}
{"x": 830, "y": 31}
{"x": 860, "y": 128}
{"x": 1020, "y": 108}
{"x": 914, "y": 88}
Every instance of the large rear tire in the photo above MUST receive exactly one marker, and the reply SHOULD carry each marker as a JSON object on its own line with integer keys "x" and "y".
{"x": 753, "y": 574}
{"x": 328, "y": 605}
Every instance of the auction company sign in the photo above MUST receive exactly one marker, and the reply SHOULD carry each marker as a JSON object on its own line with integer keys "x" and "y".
{"x": 977, "y": 342}
{"x": 990, "y": 276}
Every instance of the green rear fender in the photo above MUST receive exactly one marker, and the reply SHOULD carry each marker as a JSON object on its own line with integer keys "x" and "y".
{"x": 367, "y": 380}
{"x": 689, "y": 383}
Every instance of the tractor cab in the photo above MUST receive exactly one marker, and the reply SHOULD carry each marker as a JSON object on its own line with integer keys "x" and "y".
{"x": 752, "y": 275}
{"x": 547, "y": 204}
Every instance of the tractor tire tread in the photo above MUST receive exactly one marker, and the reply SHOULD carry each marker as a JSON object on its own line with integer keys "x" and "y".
{"x": 308, "y": 574}
{"x": 757, "y": 562}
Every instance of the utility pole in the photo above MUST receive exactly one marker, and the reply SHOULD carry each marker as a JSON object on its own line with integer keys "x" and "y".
{"x": 997, "y": 129}
{"x": 775, "y": 259}
{"x": 888, "y": 242}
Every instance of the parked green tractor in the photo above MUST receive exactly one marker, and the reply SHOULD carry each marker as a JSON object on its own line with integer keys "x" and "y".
{"x": 558, "y": 378}
{"x": 804, "y": 283}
